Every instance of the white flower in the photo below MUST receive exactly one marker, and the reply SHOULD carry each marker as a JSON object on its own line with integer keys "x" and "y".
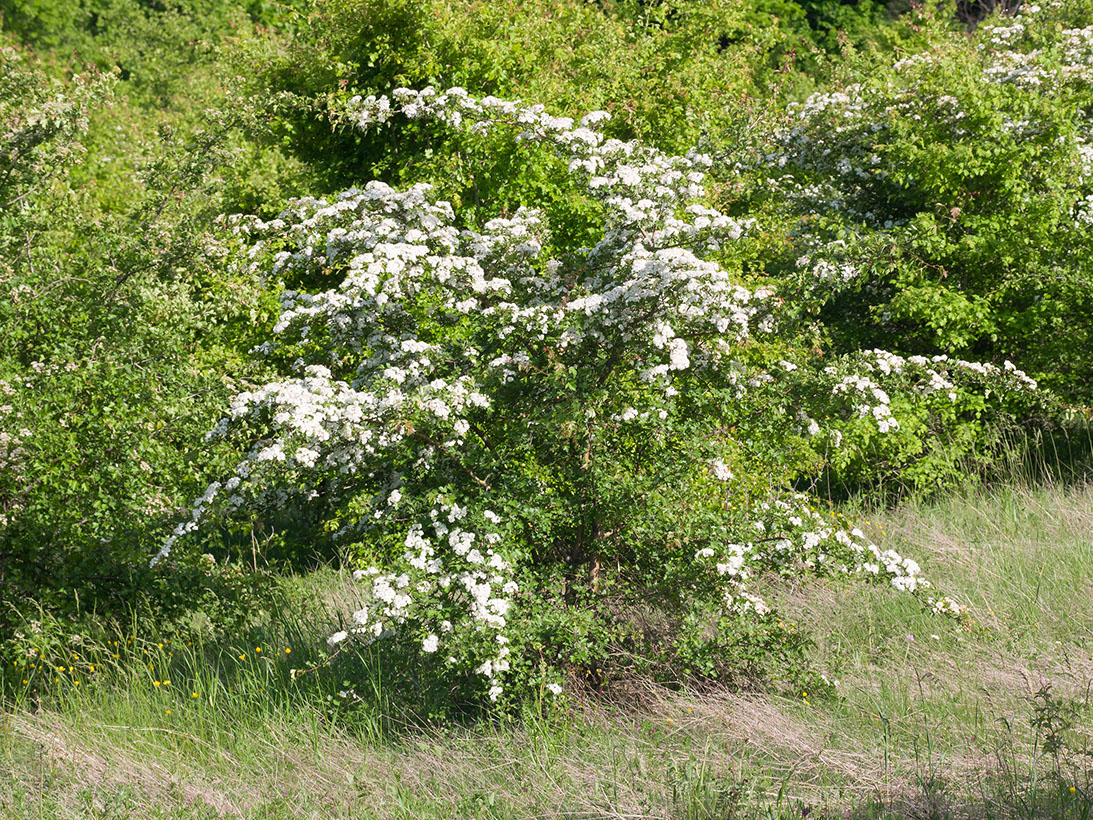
{"x": 337, "y": 638}
{"x": 554, "y": 688}
{"x": 677, "y": 350}
{"x": 430, "y": 643}
{"x": 720, "y": 470}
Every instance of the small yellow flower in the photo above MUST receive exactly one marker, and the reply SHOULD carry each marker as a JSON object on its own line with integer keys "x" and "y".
{"x": 288, "y": 651}
{"x": 195, "y": 694}
{"x": 1072, "y": 789}
{"x": 155, "y": 683}
{"x": 257, "y": 649}
{"x": 92, "y": 667}
{"x": 166, "y": 683}
{"x": 168, "y": 711}
{"x": 75, "y": 683}
{"x": 241, "y": 657}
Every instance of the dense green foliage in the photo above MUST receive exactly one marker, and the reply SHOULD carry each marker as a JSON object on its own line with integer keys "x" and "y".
{"x": 905, "y": 184}
{"x": 671, "y": 73}
{"x": 119, "y": 330}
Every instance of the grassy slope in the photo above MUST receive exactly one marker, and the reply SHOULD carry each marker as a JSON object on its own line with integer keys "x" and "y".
{"x": 934, "y": 720}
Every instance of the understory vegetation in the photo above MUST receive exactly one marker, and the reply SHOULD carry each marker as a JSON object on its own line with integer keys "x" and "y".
{"x": 989, "y": 719}
{"x": 640, "y": 408}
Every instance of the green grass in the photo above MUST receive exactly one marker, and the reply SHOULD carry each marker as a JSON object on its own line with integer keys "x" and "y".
{"x": 987, "y": 719}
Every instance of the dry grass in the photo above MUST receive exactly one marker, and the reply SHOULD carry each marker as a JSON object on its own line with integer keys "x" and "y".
{"x": 94, "y": 771}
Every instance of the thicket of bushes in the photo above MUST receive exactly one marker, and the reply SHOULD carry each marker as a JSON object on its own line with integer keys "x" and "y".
{"x": 890, "y": 180}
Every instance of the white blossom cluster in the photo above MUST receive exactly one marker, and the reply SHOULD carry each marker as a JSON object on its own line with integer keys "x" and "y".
{"x": 1017, "y": 57}
{"x": 1083, "y": 211}
{"x": 465, "y": 576}
{"x": 791, "y": 534}
{"x": 656, "y": 222}
{"x": 824, "y": 170}
{"x": 935, "y": 372}
{"x": 873, "y": 401}
{"x": 946, "y": 606}
{"x": 13, "y": 435}
{"x": 921, "y": 375}
{"x": 830, "y": 159}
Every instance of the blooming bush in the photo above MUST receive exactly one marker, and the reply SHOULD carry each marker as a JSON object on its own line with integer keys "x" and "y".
{"x": 554, "y": 467}
{"x": 939, "y": 201}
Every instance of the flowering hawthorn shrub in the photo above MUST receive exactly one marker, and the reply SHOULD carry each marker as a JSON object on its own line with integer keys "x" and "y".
{"x": 556, "y": 467}
{"x": 942, "y": 201}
